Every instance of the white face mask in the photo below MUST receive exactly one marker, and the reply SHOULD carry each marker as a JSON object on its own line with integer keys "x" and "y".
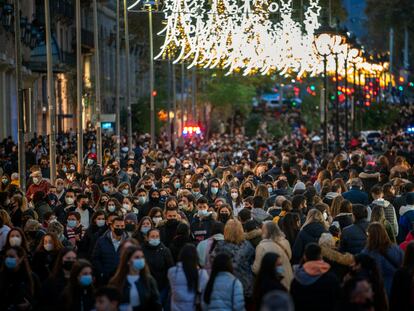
{"x": 111, "y": 208}
{"x": 325, "y": 215}
{"x": 126, "y": 206}
{"x": 90, "y": 161}
{"x": 69, "y": 201}
{"x": 48, "y": 247}
{"x": 156, "y": 220}
{"x": 36, "y": 180}
{"x": 234, "y": 195}
{"x": 15, "y": 241}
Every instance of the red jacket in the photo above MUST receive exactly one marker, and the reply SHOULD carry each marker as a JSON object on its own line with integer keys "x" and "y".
{"x": 33, "y": 188}
{"x": 408, "y": 239}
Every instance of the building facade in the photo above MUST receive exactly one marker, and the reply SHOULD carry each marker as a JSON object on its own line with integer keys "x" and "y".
{"x": 64, "y": 65}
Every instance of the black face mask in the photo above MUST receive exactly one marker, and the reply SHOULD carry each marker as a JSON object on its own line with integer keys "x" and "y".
{"x": 147, "y": 187}
{"x": 224, "y": 217}
{"x": 155, "y": 200}
{"x": 171, "y": 222}
{"x": 130, "y": 227}
{"x": 67, "y": 265}
{"x": 248, "y": 192}
{"x": 84, "y": 206}
{"x": 118, "y": 231}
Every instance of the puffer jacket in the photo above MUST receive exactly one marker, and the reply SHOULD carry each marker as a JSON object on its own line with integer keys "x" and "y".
{"x": 282, "y": 248}
{"x": 389, "y": 213}
{"x": 354, "y": 237}
{"x": 181, "y": 298}
{"x": 308, "y": 234}
{"x": 227, "y": 294}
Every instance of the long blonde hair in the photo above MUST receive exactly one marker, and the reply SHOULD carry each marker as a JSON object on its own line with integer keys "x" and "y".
{"x": 314, "y": 215}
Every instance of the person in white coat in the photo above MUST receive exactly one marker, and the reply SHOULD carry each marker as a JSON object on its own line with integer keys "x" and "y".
{"x": 187, "y": 281}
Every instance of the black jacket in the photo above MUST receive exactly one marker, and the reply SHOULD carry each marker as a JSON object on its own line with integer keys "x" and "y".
{"x": 43, "y": 263}
{"x": 105, "y": 258}
{"x": 87, "y": 244}
{"x": 354, "y": 237}
{"x": 168, "y": 231}
{"x": 309, "y": 234}
{"x": 159, "y": 260}
{"x": 402, "y": 290}
{"x": 149, "y": 296}
{"x": 344, "y": 220}
{"x": 51, "y": 291}
{"x": 321, "y": 295}
{"x": 201, "y": 227}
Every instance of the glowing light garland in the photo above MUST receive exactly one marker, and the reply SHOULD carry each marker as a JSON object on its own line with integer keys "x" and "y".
{"x": 240, "y": 37}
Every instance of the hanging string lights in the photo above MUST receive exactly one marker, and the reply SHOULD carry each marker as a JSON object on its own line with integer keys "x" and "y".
{"x": 247, "y": 36}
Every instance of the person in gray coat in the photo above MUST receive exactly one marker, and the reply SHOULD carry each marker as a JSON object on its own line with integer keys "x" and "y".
{"x": 354, "y": 237}
{"x": 224, "y": 291}
{"x": 186, "y": 280}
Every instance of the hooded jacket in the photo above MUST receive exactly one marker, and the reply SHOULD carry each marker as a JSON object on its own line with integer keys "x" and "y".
{"x": 315, "y": 287}
{"x": 389, "y": 212}
{"x": 308, "y": 234}
{"x": 354, "y": 237}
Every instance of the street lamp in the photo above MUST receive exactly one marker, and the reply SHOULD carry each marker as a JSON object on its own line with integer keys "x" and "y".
{"x": 354, "y": 58}
{"x": 148, "y": 5}
{"x": 323, "y": 46}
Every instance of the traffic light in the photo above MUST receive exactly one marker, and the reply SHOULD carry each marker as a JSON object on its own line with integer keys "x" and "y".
{"x": 154, "y": 93}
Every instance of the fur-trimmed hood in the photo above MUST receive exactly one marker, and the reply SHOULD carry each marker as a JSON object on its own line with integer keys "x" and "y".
{"x": 253, "y": 234}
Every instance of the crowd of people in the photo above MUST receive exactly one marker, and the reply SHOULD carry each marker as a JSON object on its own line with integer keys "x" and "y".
{"x": 222, "y": 224}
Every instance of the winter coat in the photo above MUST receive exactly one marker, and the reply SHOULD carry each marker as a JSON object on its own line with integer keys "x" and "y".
{"x": 242, "y": 256}
{"x": 356, "y": 196}
{"x": 227, "y": 294}
{"x": 354, "y": 237}
{"x": 43, "y": 263}
{"x": 344, "y": 220}
{"x": 308, "y": 234}
{"x": 105, "y": 258}
{"x": 388, "y": 264}
{"x": 315, "y": 287}
{"x": 149, "y": 296}
{"x": 389, "y": 213}
{"x": 406, "y": 221}
{"x": 402, "y": 289}
{"x": 280, "y": 247}
{"x": 181, "y": 298}
{"x": 177, "y": 244}
{"x": 340, "y": 263}
{"x": 168, "y": 231}
{"x": 41, "y": 208}
{"x": 254, "y": 237}
{"x": 87, "y": 244}
{"x": 369, "y": 180}
{"x": 159, "y": 260}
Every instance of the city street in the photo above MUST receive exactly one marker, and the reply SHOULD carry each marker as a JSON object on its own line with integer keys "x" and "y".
{"x": 206, "y": 155}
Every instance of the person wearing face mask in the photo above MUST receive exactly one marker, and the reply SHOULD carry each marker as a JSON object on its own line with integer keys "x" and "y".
{"x": 125, "y": 189}
{"x": 74, "y": 230}
{"x": 96, "y": 229}
{"x": 60, "y": 190}
{"x": 113, "y": 206}
{"x": 91, "y": 167}
{"x": 168, "y": 228}
{"x": 57, "y": 281}
{"x": 143, "y": 227}
{"x": 69, "y": 205}
{"x": 186, "y": 205}
{"x": 159, "y": 260}
{"x": 235, "y": 200}
{"x": 202, "y": 221}
{"x": 121, "y": 174}
{"x": 138, "y": 288}
{"x": 131, "y": 223}
{"x": 105, "y": 256}
{"x": 109, "y": 188}
{"x": 224, "y": 213}
{"x": 128, "y": 206}
{"x": 15, "y": 238}
{"x": 78, "y": 293}
{"x": 84, "y": 210}
{"x": 41, "y": 205}
{"x": 18, "y": 284}
{"x": 39, "y": 184}
{"x": 214, "y": 191}
{"x": 45, "y": 255}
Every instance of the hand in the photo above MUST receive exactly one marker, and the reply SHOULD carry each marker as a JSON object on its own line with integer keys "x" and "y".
{"x": 25, "y": 305}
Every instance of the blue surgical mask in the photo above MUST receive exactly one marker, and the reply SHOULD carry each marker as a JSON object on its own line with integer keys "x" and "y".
{"x": 145, "y": 230}
{"x": 106, "y": 188}
{"x": 142, "y": 200}
{"x": 71, "y": 223}
{"x": 202, "y": 212}
{"x": 10, "y": 262}
{"x": 138, "y": 264}
{"x": 100, "y": 222}
{"x": 270, "y": 190}
{"x": 177, "y": 185}
{"x": 280, "y": 270}
{"x": 154, "y": 242}
{"x": 85, "y": 280}
{"x": 214, "y": 190}
{"x": 125, "y": 192}
{"x": 196, "y": 193}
